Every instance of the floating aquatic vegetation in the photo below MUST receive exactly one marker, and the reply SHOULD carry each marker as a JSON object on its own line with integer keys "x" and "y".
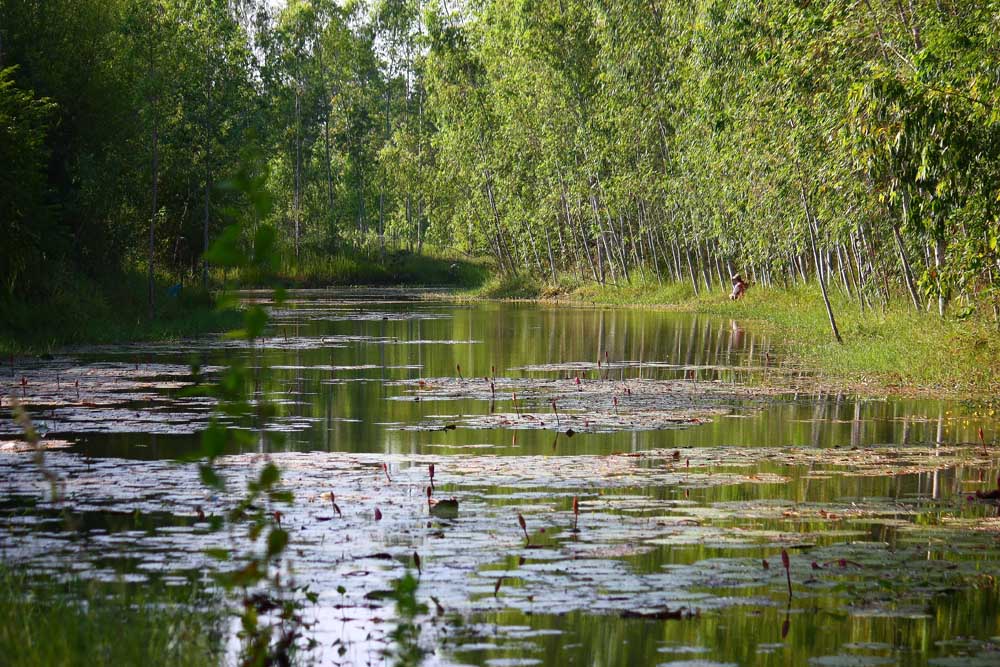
{"x": 20, "y": 446}
{"x": 459, "y": 549}
{"x": 671, "y": 535}
{"x": 575, "y": 407}
{"x": 588, "y": 569}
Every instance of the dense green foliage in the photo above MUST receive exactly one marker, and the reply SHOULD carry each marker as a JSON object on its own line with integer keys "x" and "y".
{"x": 854, "y": 143}
{"x": 692, "y": 140}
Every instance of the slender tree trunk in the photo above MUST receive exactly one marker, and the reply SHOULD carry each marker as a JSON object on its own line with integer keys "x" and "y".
{"x": 381, "y": 193}
{"x": 420, "y": 218}
{"x": 678, "y": 270}
{"x": 573, "y": 244}
{"x": 578, "y": 228}
{"x": 652, "y": 250}
{"x": 995, "y": 303}
{"x": 718, "y": 268}
{"x": 494, "y": 241}
{"x": 329, "y": 167}
{"x": 501, "y": 240}
{"x": 552, "y": 262}
{"x": 585, "y": 243}
{"x": 842, "y": 271}
{"x": 534, "y": 248}
{"x": 208, "y": 183}
{"x": 208, "y": 205}
{"x": 361, "y": 202}
{"x": 609, "y": 260}
{"x": 694, "y": 281}
{"x": 636, "y": 249}
{"x": 151, "y": 285}
{"x": 298, "y": 171}
{"x": 564, "y": 257}
{"x": 420, "y": 169}
{"x": 706, "y": 265}
{"x": 856, "y": 269}
{"x": 601, "y": 239}
{"x": 822, "y": 283}
{"x": 940, "y": 246}
{"x": 410, "y": 240}
{"x": 901, "y": 249}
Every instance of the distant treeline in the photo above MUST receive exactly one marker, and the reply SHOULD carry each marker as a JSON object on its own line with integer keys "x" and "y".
{"x": 855, "y": 143}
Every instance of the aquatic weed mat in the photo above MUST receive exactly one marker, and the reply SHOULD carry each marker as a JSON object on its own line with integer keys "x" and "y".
{"x": 574, "y": 405}
{"x": 148, "y": 394}
{"x": 657, "y": 535}
{"x": 64, "y": 396}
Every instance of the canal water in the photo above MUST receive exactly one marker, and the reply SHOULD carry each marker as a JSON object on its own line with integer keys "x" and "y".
{"x": 694, "y": 453}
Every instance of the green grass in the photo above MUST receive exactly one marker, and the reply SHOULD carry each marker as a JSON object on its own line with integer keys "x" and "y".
{"x": 75, "y": 309}
{"x": 894, "y": 349}
{"x": 81, "y": 310}
{"x": 48, "y": 624}
{"x": 389, "y": 269}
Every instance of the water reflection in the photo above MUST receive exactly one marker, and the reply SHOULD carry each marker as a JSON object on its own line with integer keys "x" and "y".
{"x": 342, "y": 368}
{"x": 331, "y": 378}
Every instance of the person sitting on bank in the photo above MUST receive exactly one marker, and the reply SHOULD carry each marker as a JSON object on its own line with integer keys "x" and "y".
{"x": 739, "y": 287}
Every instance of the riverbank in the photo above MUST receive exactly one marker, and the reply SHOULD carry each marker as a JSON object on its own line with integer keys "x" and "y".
{"x": 113, "y": 310}
{"x": 893, "y": 350}
{"x": 387, "y": 269}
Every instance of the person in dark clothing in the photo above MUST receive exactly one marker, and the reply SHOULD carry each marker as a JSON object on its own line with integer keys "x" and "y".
{"x": 739, "y": 287}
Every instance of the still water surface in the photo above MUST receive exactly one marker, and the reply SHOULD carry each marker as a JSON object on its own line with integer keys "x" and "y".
{"x": 687, "y": 481}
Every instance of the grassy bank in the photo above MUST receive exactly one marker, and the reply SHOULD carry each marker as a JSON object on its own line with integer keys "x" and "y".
{"x": 82, "y": 310}
{"x": 431, "y": 268}
{"x": 896, "y": 349}
{"x": 45, "y": 623}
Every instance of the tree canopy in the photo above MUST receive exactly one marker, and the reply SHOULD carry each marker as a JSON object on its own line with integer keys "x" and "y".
{"x": 855, "y": 144}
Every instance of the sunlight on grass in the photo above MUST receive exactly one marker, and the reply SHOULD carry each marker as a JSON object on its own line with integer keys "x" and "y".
{"x": 892, "y": 348}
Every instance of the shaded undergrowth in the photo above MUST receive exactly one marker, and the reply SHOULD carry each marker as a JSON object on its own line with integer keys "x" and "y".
{"x": 78, "y": 309}
{"x": 390, "y": 268}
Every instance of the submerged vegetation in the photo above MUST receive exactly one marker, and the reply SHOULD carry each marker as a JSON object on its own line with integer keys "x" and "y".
{"x": 45, "y": 622}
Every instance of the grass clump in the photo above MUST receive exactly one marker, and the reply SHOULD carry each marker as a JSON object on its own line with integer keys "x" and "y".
{"x": 44, "y": 623}
{"x": 79, "y": 309}
{"x": 510, "y": 287}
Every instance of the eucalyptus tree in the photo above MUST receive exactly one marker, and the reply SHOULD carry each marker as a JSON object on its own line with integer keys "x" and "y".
{"x": 217, "y": 91}
{"x": 291, "y": 74}
{"x": 467, "y": 123}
